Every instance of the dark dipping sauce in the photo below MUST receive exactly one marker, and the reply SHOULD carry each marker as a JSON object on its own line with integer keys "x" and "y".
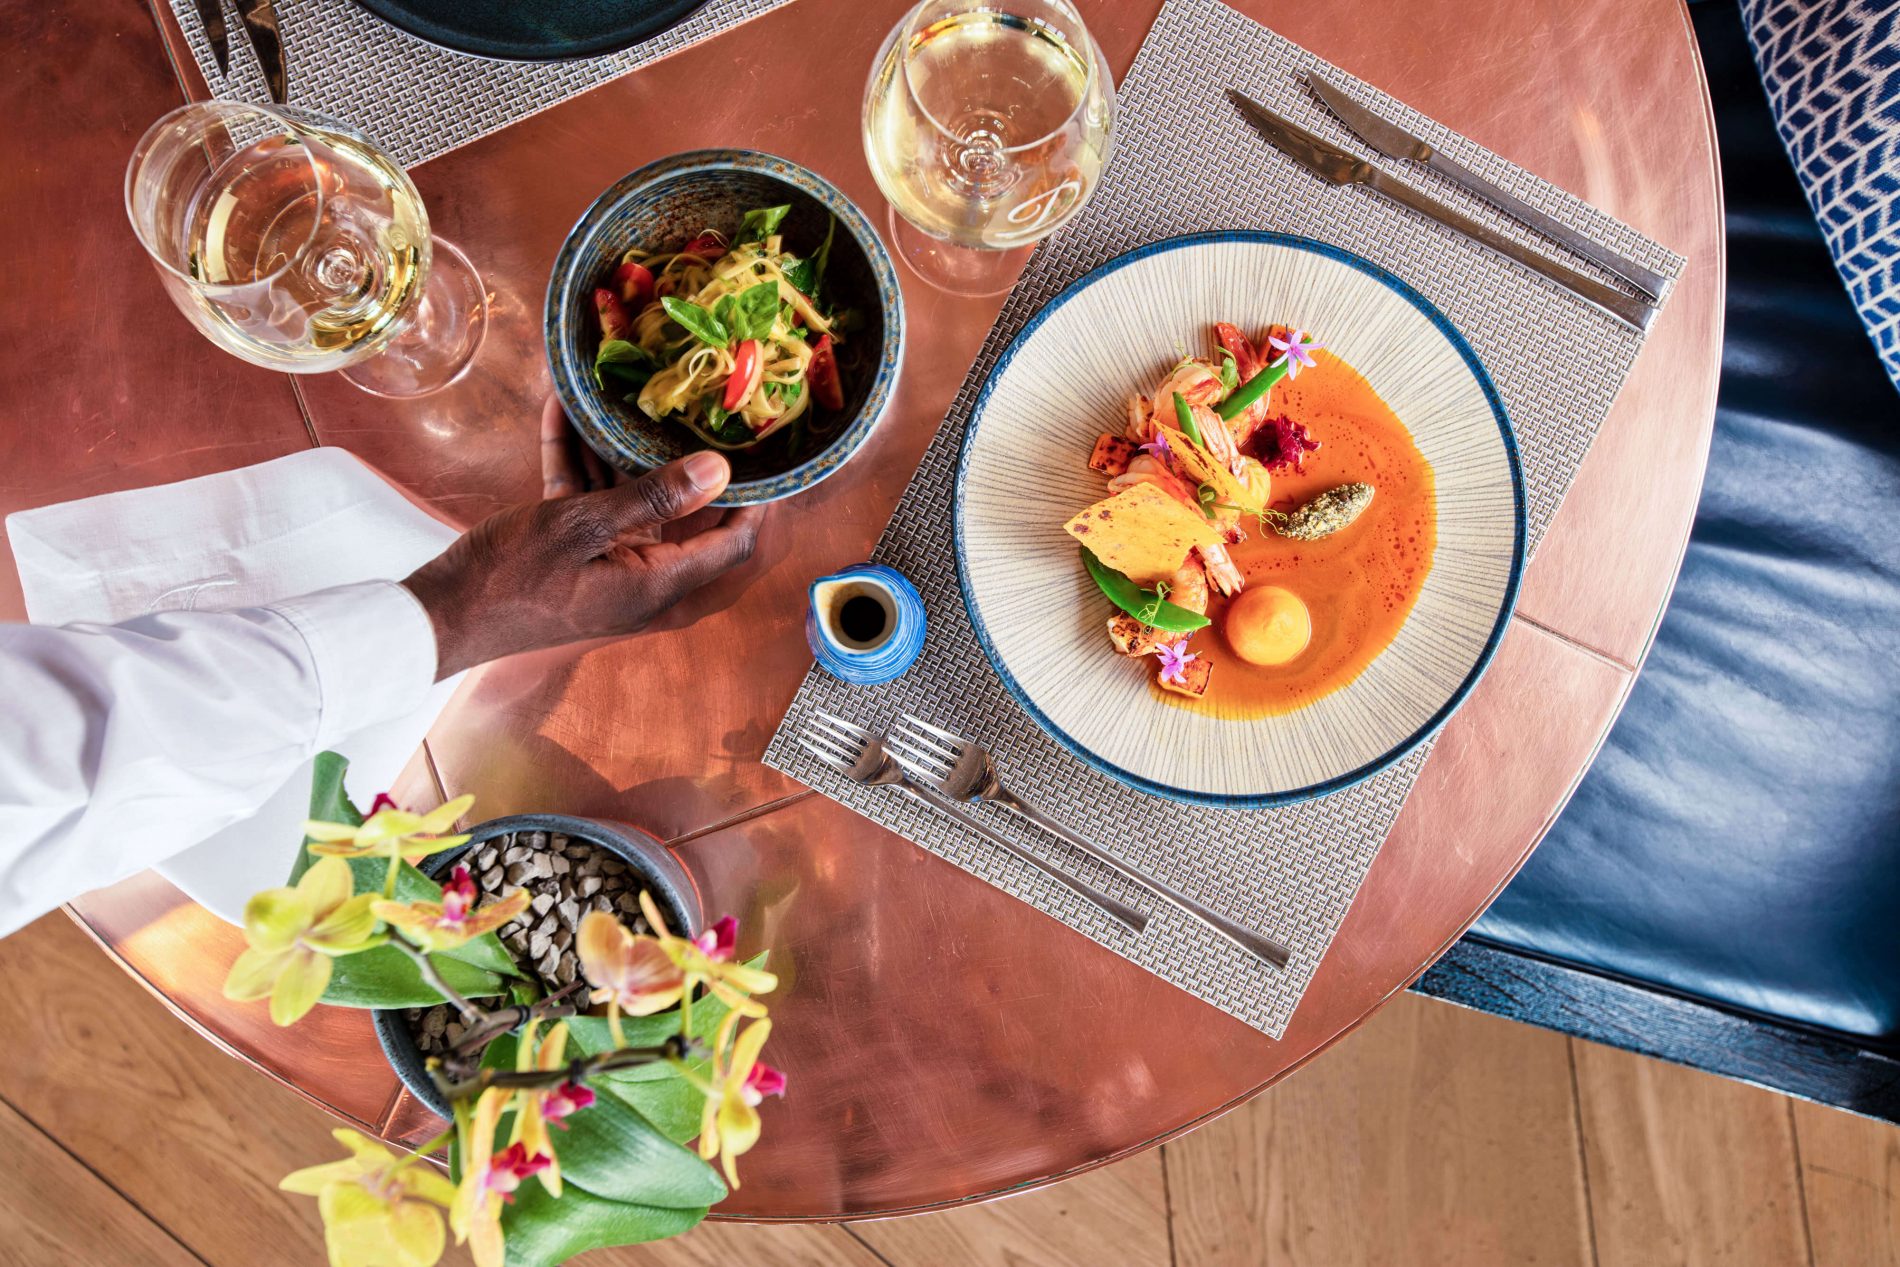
{"x": 861, "y": 619}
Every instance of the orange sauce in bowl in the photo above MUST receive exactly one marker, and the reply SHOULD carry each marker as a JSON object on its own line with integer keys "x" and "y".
{"x": 1360, "y": 583}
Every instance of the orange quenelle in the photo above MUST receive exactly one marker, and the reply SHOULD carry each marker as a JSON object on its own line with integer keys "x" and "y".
{"x": 1358, "y": 584}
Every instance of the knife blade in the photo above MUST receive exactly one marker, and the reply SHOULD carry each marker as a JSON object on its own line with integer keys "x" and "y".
{"x": 211, "y": 17}
{"x": 260, "y": 19}
{"x": 1336, "y": 166}
{"x": 1393, "y": 141}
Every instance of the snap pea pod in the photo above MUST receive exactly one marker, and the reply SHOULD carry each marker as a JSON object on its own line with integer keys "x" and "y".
{"x": 1144, "y": 605}
{"x": 1252, "y": 390}
{"x": 1184, "y": 418}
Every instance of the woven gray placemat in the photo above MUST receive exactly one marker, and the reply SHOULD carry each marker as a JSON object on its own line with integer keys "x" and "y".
{"x": 1185, "y": 162}
{"x": 413, "y": 99}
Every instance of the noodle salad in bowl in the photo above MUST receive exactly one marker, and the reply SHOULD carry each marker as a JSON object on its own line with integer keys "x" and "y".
{"x": 732, "y": 341}
{"x": 729, "y": 300}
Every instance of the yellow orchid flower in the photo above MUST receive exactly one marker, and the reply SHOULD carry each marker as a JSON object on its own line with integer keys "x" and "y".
{"x": 379, "y": 1210}
{"x": 451, "y": 922}
{"x": 489, "y": 1179}
{"x": 293, "y": 934}
{"x": 738, "y": 1083}
{"x": 710, "y": 959}
{"x": 536, "y": 1111}
{"x": 632, "y": 974}
{"x": 390, "y": 832}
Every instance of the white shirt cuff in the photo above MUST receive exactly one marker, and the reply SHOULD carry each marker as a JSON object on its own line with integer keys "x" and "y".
{"x": 372, "y": 648}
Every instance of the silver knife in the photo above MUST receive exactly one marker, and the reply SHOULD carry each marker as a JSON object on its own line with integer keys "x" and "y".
{"x": 211, "y": 17}
{"x": 1394, "y": 141}
{"x": 260, "y": 19}
{"x": 1330, "y": 163}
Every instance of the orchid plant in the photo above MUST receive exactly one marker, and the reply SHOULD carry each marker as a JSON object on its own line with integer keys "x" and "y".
{"x": 572, "y": 1110}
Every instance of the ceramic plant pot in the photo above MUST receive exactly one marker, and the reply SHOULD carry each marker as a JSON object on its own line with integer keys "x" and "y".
{"x": 652, "y": 866}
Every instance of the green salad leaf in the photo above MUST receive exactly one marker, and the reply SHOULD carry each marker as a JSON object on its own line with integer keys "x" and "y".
{"x": 626, "y": 363}
{"x": 702, "y": 325}
{"x": 807, "y": 276}
{"x": 754, "y": 310}
{"x": 762, "y": 222}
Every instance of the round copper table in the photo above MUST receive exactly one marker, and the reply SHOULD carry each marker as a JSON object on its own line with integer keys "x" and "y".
{"x": 945, "y": 1043}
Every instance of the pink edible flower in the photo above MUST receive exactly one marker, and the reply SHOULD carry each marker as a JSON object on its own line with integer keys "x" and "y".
{"x": 1157, "y": 448}
{"x": 1175, "y": 657}
{"x": 1296, "y": 351}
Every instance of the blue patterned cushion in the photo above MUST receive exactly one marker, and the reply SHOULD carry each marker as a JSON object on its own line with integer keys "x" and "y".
{"x": 1832, "y": 70}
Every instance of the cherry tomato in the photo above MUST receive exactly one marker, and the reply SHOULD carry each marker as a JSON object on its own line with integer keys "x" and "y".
{"x": 748, "y": 367}
{"x": 635, "y": 284}
{"x": 708, "y": 246}
{"x": 822, "y": 375}
{"x": 614, "y": 322}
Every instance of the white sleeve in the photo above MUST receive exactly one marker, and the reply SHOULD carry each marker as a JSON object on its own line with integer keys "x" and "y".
{"x": 123, "y": 744}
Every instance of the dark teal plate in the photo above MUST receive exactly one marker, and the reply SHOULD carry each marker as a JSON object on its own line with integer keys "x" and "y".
{"x": 533, "y": 30}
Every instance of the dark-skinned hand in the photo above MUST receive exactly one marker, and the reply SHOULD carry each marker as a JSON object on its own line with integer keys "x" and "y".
{"x": 601, "y": 558}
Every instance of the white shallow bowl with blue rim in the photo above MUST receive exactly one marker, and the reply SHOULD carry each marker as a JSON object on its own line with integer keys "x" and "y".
{"x": 1066, "y": 379}
{"x": 659, "y": 207}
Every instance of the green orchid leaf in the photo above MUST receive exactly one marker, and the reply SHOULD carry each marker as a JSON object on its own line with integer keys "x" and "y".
{"x": 329, "y": 803}
{"x": 612, "y": 1151}
{"x": 542, "y": 1231}
{"x": 672, "y": 1105}
{"x": 386, "y": 977}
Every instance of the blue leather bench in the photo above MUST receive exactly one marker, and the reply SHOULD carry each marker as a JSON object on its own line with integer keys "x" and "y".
{"x": 1724, "y": 888}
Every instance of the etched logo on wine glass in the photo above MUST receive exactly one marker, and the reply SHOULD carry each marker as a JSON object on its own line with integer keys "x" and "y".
{"x": 1035, "y": 215}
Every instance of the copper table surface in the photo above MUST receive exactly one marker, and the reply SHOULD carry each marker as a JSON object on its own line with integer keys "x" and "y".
{"x": 945, "y": 1043}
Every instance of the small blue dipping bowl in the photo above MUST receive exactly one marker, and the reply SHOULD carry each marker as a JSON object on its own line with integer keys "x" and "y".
{"x": 660, "y": 207}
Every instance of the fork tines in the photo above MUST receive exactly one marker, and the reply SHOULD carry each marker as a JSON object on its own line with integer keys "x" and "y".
{"x": 833, "y": 740}
{"x": 923, "y": 748}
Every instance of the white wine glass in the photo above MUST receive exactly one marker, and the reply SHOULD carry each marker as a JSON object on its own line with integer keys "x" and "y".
{"x": 292, "y": 241}
{"x": 987, "y": 124}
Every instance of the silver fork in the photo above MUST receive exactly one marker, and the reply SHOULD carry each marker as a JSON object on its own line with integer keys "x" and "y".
{"x": 859, "y": 755}
{"x": 963, "y": 771}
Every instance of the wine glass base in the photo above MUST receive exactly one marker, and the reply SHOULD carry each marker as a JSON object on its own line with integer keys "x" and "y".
{"x": 440, "y": 343}
{"x": 960, "y": 270}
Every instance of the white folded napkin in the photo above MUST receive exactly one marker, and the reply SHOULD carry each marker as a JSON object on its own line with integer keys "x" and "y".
{"x": 237, "y": 539}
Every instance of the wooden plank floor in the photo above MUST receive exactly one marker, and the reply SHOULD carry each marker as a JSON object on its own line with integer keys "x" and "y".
{"x": 1433, "y": 1135}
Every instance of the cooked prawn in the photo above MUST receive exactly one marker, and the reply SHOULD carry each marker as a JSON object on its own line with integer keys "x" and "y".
{"x": 1215, "y": 437}
{"x": 1197, "y": 381}
{"x": 1221, "y": 570}
{"x": 1188, "y": 586}
{"x": 1141, "y": 428}
{"x": 1143, "y": 469}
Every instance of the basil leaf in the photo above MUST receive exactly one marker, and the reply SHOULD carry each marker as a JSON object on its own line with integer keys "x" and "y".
{"x": 755, "y": 310}
{"x": 699, "y": 323}
{"x": 806, "y": 276}
{"x": 723, "y": 312}
{"x": 627, "y": 363}
{"x": 762, "y": 223}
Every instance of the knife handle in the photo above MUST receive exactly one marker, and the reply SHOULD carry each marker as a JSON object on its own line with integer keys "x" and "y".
{"x": 1633, "y": 312}
{"x": 1645, "y": 279}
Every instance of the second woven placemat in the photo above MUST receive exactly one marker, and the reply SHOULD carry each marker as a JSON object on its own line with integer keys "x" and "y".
{"x": 1186, "y": 163}
{"x": 413, "y": 99}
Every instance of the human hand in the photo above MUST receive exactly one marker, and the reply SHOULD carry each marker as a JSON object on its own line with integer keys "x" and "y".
{"x": 593, "y": 564}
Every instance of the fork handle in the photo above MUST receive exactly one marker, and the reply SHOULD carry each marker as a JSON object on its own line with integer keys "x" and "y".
{"x": 1257, "y": 944}
{"x": 1123, "y": 913}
